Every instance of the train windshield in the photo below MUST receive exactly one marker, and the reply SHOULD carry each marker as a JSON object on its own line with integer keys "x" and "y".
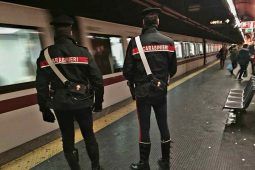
{"x": 19, "y": 49}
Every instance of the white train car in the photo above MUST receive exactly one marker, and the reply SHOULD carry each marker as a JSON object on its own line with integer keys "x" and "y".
{"x": 24, "y": 31}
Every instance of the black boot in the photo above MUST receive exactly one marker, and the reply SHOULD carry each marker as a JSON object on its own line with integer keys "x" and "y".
{"x": 164, "y": 162}
{"x": 73, "y": 159}
{"x": 143, "y": 164}
{"x": 93, "y": 152}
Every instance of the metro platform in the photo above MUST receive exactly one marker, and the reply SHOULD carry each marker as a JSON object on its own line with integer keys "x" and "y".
{"x": 202, "y": 140}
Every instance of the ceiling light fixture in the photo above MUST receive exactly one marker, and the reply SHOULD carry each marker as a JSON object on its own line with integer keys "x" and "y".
{"x": 233, "y": 11}
{"x": 227, "y": 21}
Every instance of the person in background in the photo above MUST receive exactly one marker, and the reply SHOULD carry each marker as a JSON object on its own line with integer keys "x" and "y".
{"x": 243, "y": 59}
{"x": 222, "y": 55}
{"x": 233, "y": 57}
{"x": 252, "y": 53}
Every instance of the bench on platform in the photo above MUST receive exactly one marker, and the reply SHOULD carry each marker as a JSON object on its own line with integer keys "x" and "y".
{"x": 239, "y": 99}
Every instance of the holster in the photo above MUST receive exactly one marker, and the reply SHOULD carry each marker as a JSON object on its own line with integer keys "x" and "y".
{"x": 157, "y": 85}
{"x": 77, "y": 88}
{"x": 72, "y": 96}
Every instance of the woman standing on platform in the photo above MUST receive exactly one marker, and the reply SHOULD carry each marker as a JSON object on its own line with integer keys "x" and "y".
{"x": 222, "y": 55}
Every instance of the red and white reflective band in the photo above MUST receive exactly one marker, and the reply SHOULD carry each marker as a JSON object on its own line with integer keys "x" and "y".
{"x": 155, "y": 48}
{"x": 66, "y": 60}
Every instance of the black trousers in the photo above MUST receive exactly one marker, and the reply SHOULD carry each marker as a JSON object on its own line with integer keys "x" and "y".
{"x": 159, "y": 105}
{"x": 222, "y": 63}
{"x": 234, "y": 64}
{"x": 242, "y": 70}
{"x": 66, "y": 124}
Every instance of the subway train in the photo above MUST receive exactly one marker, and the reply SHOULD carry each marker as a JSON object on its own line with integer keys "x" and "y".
{"x": 25, "y": 30}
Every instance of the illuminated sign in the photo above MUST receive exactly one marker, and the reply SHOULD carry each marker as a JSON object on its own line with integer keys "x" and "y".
{"x": 247, "y": 24}
{"x": 215, "y": 22}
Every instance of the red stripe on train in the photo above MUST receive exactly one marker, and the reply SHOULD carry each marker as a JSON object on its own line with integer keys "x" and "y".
{"x": 112, "y": 80}
{"x": 17, "y": 103}
{"x": 29, "y": 100}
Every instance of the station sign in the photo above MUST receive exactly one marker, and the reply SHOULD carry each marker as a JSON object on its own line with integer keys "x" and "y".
{"x": 216, "y": 22}
{"x": 248, "y": 25}
{"x": 219, "y": 22}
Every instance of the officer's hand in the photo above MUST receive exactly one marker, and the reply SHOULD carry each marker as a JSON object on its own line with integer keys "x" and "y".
{"x": 97, "y": 108}
{"x": 48, "y": 116}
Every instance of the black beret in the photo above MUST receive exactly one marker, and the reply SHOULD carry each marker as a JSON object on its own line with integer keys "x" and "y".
{"x": 62, "y": 20}
{"x": 149, "y": 10}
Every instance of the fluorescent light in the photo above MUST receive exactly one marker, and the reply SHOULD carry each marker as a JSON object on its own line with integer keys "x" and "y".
{"x": 227, "y": 21}
{"x": 233, "y": 11}
{"x": 89, "y": 36}
{"x": 4, "y": 30}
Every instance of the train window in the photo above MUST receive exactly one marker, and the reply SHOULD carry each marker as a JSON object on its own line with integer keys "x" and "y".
{"x": 201, "y": 50}
{"x": 207, "y": 48}
{"x": 178, "y": 49}
{"x": 191, "y": 49}
{"x": 196, "y": 48}
{"x": 210, "y": 47}
{"x": 219, "y": 47}
{"x": 19, "y": 49}
{"x": 214, "y": 48}
{"x": 185, "y": 49}
{"x": 108, "y": 52}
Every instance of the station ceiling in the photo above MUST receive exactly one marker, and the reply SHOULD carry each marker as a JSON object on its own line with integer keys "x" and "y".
{"x": 189, "y": 17}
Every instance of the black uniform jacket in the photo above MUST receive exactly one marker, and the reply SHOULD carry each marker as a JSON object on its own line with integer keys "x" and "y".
{"x": 160, "y": 53}
{"x": 243, "y": 57}
{"x": 74, "y": 62}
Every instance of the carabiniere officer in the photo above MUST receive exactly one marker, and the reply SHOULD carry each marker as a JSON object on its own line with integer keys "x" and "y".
{"x": 77, "y": 65}
{"x": 160, "y": 54}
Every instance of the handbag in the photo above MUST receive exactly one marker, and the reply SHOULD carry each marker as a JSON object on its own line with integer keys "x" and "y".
{"x": 157, "y": 86}
{"x": 218, "y": 55}
{"x": 73, "y": 96}
{"x": 229, "y": 67}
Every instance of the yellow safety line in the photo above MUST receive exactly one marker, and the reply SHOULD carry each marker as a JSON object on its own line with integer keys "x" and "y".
{"x": 177, "y": 83}
{"x": 47, "y": 151}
